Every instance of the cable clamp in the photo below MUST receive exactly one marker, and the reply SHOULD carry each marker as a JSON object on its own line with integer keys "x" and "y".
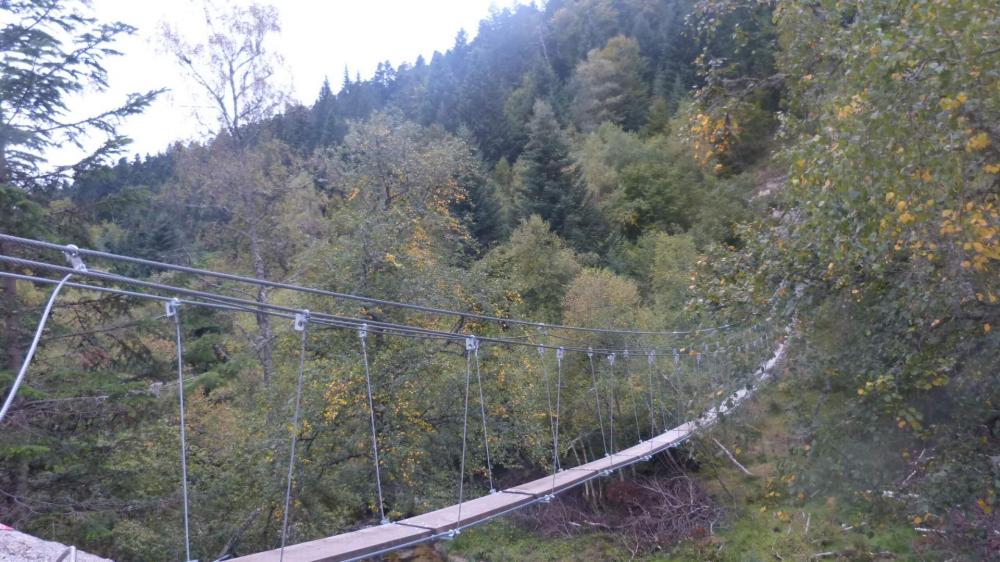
{"x": 451, "y": 535}
{"x": 547, "y": 498}
{"x": 611, "y": 359}
{"x": 541, "y": 351}
{"x": 171, "y": 307}
{"x": 625, "y": 354}
{"x": 560, "y": 353}
{"x": 301, "y": 319}
{"x": 651, "y": 357}
{"x": 471, "y": 343}
{"x": 72, "y": 254}
{"x": 363, "y": 331}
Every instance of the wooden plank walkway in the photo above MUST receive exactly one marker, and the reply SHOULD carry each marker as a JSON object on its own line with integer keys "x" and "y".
{"x": 374, "y": 541}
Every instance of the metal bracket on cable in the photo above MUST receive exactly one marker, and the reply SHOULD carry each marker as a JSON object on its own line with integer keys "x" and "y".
{"x": 590, "y": 352}
{"x": 651, "y": 357}
{"x": 541, "y": 351}
{"x": 363, "y": 331}
{"x": 560, "y": 353}
{"x": 72, "y": 254}
{"x": 611, "y": 359}
{"x": 547, "y": 498}
{"x": 451, "y": 535}
{"x": 471, "y": 343}
{"x": 171, "y": 307}
{"x": 301, "y": 319}
{"x": 604, "y": 473}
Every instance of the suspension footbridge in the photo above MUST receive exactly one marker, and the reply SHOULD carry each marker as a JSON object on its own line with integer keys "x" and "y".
{"x": 611, "y": 368}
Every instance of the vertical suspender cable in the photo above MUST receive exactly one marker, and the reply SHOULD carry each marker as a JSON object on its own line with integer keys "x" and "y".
{"x": 301, "y": 325}
{"x": 363, "y": 336}
{"x": 597, "y": 399}
{"x": 650, "y": 359}
{"x": 469, "y": 344}
{"x": 548, "y": 401}
{"x": 172, "y": 308}
{"x": 555, "y": 437}
{"x": 482, "y": 411}
{"x": 34, "y": 346}
{"x": 635, "y": 397}
{"x": 611, "y": 404}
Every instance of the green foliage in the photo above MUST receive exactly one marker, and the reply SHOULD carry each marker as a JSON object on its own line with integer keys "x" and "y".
{"x": 536, "y": 266}
{"x": 884, "y": 241}
{"x": 552, "y": 185}
{"x": 610, "y": 87}
{"x": 52, "y": 50}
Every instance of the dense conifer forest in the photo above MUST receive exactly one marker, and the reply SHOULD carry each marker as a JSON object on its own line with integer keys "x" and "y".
{"x": 829, "y": 170}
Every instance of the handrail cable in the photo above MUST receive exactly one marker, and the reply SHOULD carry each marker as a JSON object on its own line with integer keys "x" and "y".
{"x": 256, "y": 306}
{"x": 348, "y": 296}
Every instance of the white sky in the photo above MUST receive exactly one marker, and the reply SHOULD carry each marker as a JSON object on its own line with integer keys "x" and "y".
{"x": 318, "y": 38}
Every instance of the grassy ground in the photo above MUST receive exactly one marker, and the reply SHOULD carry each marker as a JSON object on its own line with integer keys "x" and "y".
{"x": 760, "y": 524}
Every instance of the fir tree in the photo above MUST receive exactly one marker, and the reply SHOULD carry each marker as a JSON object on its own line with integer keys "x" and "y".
{"x": 553, "y": 187}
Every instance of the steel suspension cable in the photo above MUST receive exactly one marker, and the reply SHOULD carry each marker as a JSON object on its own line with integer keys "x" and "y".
{"x": 363, "y": 336}
{"x": 31, "y": 349}
{"x": 348, "y": 296}
{"x": 597, "y": 400}
{"x": 301, "y": 325}
{"x": 289, "y": 312}
{"x": 482, "y": 411}
{"x": 469, "y": 343}
{"x": 548, "y": 401}
{"x": 173, "y": 311}
{"x": 611, "y": 404}
{"x": 555, "y": 439}
{"x": 635, "y": 399}
{"x": 650, "y": 359}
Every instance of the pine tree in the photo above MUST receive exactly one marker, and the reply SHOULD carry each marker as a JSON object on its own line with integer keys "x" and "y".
{"x": 553, "y": 187}
{"x": 48, "y": 52}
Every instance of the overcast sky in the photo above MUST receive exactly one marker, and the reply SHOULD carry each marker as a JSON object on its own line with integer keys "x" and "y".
{"x": 318, "y": 38}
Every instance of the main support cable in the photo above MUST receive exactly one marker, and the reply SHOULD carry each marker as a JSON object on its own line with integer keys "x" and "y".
{"x": 301, "y": 325}
{"x": 173, "y": 311}
{"x": 72, "y": 254}
{"x": 34, "y": 346}
{"x": 363, "y": 336}
{"x": 272, "y": 309}
{"x": 348, "y": 296}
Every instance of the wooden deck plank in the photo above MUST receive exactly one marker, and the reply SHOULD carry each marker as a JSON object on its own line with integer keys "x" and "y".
{"x": 475, "y": 510}
{"x": 563, "y": 479}
{"x": 344, "y": 547}
{"x": 372, "y": 540}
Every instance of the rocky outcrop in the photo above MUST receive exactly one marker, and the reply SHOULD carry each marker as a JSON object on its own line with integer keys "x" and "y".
{"x": 20, "y": 547}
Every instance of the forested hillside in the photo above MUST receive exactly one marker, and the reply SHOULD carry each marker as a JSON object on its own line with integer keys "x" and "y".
{"x": 827, "y": 172}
